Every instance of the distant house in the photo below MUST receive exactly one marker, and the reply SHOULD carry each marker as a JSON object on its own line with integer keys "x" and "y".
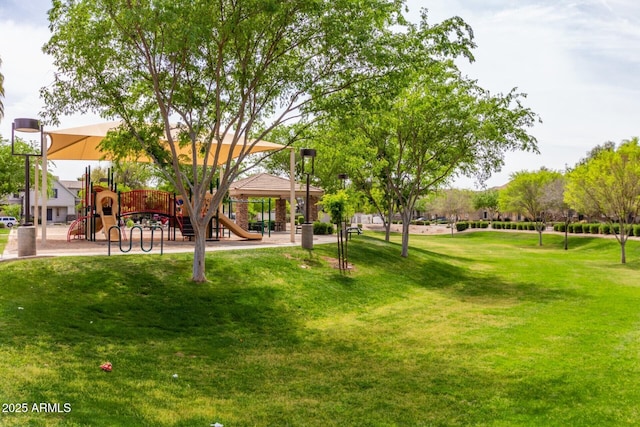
{"x": 61, "y": 206}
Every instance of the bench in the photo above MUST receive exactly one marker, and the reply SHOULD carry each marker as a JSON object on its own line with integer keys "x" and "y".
{"x": 353, "y": 230}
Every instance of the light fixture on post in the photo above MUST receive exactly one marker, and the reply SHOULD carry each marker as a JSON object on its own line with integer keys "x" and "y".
{"x": 307, "y": 228}
{"x": 343, "y": 177}
{"x": 26, "y": 233}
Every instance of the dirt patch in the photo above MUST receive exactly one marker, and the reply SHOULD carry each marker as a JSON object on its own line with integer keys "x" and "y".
{"x": 336, "y": 264}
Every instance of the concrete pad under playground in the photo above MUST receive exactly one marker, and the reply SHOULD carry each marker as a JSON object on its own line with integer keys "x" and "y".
{"x": 57, "y": 245}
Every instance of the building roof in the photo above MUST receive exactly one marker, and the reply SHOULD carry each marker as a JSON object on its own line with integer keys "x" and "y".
{"x": 267, "y": 185}
{"x": 72, "y": 184}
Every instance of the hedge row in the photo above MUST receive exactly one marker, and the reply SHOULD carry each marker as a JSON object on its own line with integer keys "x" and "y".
{"x": 498, "y": 225}
{"x": 463, "y": 225}
{"x": 580, "y": 228}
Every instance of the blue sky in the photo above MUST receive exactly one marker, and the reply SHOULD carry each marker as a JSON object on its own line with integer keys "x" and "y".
{"x": 578, "y": 62}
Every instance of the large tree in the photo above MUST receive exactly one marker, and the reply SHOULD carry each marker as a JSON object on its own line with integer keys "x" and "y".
{"x": 607, "y": 185}
{"x": 424, "y": 122}
{"x": 217, "y": 68}
{"x": 443, "y": 125}
{"x": 12, "y": 166}
{"x": 359, "y": 134}
{"x": 534, "y": 194}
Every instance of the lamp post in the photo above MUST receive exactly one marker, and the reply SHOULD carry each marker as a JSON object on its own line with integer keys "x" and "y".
{"x": 307, "y": 228}
{"x": 27, "y": 233}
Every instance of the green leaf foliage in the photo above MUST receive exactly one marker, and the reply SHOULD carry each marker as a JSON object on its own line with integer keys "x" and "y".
{"x": 607, "y": 185}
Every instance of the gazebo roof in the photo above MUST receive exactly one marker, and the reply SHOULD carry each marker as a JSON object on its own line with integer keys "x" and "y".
{"x": 267, "y": 185}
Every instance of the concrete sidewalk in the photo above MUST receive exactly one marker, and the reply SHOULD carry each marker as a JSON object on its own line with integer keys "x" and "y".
{"x": 57, "y": 245}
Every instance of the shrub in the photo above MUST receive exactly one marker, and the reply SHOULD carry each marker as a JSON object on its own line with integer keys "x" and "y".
{"x": 462, "y": 225}
{"x": 520, "y": 226}
{"x": 594, "y": 228}
{"x": 2, "y": 225}
{"x": 560, "y": 226}
{"x": 531, "y": 226}
{"x": 496, "y": 225}
{"x": 605, "y": 229}
{"x": 636, "y": 230}
{"x": 577, "y": 228}
{"x": 321, "y": 228}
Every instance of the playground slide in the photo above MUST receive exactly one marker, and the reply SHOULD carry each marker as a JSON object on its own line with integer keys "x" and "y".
{"x": 236, "y": 229}
{"x": 107, "y": 222}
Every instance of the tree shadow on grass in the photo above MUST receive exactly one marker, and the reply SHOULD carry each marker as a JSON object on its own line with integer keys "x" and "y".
{"x": 145, "y": 323}
{"x": 141, "y": 314}
{"x": 433, "y": 270}
{"x": 128, "y": 303}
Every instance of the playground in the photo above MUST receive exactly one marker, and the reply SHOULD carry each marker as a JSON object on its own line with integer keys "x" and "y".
{"x": 151, "y": 221}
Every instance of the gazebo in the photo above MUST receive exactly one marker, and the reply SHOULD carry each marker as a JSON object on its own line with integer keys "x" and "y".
{"x": 270, "y": 186}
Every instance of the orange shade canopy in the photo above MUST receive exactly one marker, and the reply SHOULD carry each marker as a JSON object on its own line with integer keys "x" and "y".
{"x": 82, "y": 143}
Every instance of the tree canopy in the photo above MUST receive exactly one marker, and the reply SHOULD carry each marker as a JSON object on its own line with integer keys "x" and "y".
{"x": 535, "y": 195}
{"x": 607, "y": 185}
{"x": 435, "y": 125}
{"x": 12, "y": 167}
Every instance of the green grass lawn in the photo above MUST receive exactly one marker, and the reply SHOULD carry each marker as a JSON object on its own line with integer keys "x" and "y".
{"x": 4, "y": 238}
{"x": 484, "y": 328}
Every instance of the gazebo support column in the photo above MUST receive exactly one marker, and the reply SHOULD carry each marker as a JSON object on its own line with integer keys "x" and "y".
{"x": 242, "y": 213}
{"x": 281, "y": 215}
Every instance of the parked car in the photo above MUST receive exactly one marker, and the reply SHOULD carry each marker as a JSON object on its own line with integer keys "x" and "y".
{"x": 8, "y": 221}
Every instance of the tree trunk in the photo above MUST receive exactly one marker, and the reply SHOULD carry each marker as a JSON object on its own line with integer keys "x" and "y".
{"x": 540, "y": 228}
{"x": 623, "y": 242}
{"x": 622, "y": 239}
{"x": 198, "y": 272}
{"x": 387, "y": 224}
{"x": 406, "y": 222}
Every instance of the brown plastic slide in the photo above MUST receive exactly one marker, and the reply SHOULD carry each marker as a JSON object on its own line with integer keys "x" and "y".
{"x": 108, "y": 221}
{"x": 236, "y": 229}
